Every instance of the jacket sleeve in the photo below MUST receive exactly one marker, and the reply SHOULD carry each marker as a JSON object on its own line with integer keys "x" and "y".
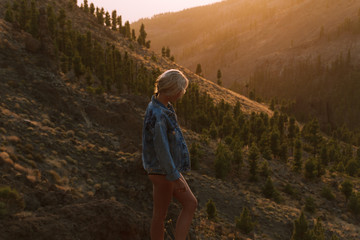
{"x": 162, "y": 149}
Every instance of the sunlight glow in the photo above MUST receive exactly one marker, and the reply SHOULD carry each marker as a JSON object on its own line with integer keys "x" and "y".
{"x": 136, "y": 9}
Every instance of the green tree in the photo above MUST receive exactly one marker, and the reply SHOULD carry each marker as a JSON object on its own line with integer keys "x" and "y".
{"x": 9, "y": 14}
{"x": 219, "y": 75}
{"x": 211, "y": 209}
{"x": 127, "y": 31}
{"x": 275, "y": 142}
{"x": 300, "y": 231}
{"x": 352, "y": 167}
{"x": 167, "y": 52}
{"x": 114, "y": 20}
{"x": 324, "y": 155}
{"x": 265, "y": 170}
{"x": 253, "y": 161}
{"x": 198, "y": 70}
{"x": 86, "y": 6}
{"x": 142, "y": 37}
{"x": 326, "y": 193}
{"x": 163, "y": 52}
{"x": 78, "y": 66}
{"x": 195, "y": 155}
{"x": 269, "y": 189}
{"x": 119, "y": 22}
{"x": 107, "y": 19}
{"x": 317, "y": 233}
{"x": 222, "y": 161}
{"x": 354, "y": 203}
{"x": 347, "y": 189}
{"x": 283, "y": 153}
{"x": 237, "y": 155}
{"x": 310, "y": 168}
{"x": 213, "y": 131}
{"x": 244, "y": 223}
{"x": 100, "y": 15}
{"x": 92, "y": 9}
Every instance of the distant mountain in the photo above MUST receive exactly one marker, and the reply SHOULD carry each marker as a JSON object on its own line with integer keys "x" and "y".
{"x": 254, "y": 42}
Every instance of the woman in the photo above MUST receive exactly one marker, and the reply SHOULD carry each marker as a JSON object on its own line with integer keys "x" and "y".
{"x": 165, "y": 155}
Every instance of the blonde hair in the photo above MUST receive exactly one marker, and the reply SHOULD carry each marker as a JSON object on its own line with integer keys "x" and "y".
{"x": 171, "y": 82}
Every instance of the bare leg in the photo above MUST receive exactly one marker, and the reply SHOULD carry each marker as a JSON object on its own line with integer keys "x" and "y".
{"x": 162, "y": 195}
{"x": 189, "y": 204}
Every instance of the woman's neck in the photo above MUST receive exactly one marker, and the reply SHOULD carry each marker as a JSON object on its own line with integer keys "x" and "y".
{"x": 163, "y": 99}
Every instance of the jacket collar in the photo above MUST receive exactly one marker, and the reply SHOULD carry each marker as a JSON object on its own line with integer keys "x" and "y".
{"x": 168, "y": 109}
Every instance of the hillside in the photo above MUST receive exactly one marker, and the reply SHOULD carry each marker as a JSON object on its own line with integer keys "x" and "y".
{"x": 70, "y": 145}
{"x": 254, "y": 43}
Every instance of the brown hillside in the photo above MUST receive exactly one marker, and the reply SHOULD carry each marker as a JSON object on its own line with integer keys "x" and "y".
{"x": 74, "y": 157}
{"x": 236, "y": 36}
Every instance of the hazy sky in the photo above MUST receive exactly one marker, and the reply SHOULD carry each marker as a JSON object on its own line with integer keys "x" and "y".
{"x": 133, "y": 10}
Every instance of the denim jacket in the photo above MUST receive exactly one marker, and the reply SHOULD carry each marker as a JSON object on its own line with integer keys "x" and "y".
{"x": 164, "y": 148}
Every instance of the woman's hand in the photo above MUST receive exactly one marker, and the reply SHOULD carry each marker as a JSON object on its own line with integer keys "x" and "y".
{"x": 180, "y": 185}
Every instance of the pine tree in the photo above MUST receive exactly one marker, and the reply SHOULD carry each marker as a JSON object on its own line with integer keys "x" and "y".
{"x": 275, "y": 143}
{"x": 244, "y": 223}
{"x": 34, "y": 19}
{"x": 317, "y": 233}
{"x": 133, "y": 35}
{"x": 167, "y": 52}
{"x": 163, "y": 53}
{"x": 100, "y": 15}
{"x": 347, "y": 189}
{"x": 86, "y": 6}
{"x": 107, "y": 19}
{"x": 195, "y": 156}
{"x": 219, "y": 75}
{"x": 297, "y": 156}
{"x": 283, "y": 154}
{"x": 222, "y": 161}
{"x": 92, "y": 9}
{"x": 119, "y": 22}
{"x": 127, "y": 31}
{"x": 198, "y": 70}
{"x": 237, "y": 155}
{"x": 9, "y": 14}
{"x": 78, "y": 66}
{"x": 265, "y": 171}
{"x": 310, "y": 167}
{"x": 23, "y": 15}
{"x": 213, "y": 131}
{"x": 253, "y": 161}
{"x": 300, "y": 231}
{"x": 114, "y": 20}
{"x": 142, "y": 37}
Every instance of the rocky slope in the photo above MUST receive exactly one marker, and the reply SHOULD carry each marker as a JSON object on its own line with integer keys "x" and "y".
{"x": 75, "y": 159}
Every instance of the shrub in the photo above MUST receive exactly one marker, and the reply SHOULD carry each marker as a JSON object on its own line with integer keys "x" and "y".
{"x": 244, "y": 223}
{"x": 354, "y": 203}
{"x": 265, "y": 171}
{"x": 310, "y": 205}
{"x": 347, "y": 188}
{"x": 310, "y": 169}
{"x": 300, "y": 231}
{"x": 352, "y": 167}
{"x": 195, "y": 155}
{"x": 10, "y": 201}
{"x": 326, "y": 193}
{"x": 211, "y": 209}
